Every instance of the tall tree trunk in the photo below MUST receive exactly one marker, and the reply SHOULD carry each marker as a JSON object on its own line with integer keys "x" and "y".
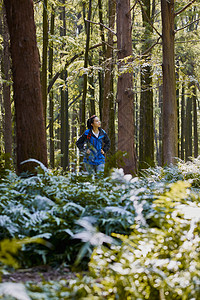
{"x": 125, "y": 97}
{"x": 51, "y": 102}
{"x": 194, "y": 98}
{"x": 183, "y": 123}
{"x": 44, "y": 58}
{"x": 83, "y": 105}
{"x": 30, "y": 129}
{"x": 6, "y": 94}
{"x": 146, "y": 149}
{"x": 101, "y": 59}
{"x": 170, "y": 150}
{"x": 64, "y": 105}
{"x": 108, "y": 116}
{"x": 108, "y": 92}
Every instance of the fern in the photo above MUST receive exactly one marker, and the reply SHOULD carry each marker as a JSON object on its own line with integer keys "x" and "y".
{"x": 15, "y": 290}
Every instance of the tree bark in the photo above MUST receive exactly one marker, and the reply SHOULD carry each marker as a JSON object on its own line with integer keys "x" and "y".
{"x": 83, "y": 106}
{"x": 92, "y": 109}
{"x": 146, "y": 149}
{"x": 30, "y": 129}
{"x": 6, "y": 65}
{"x": 44, "y": 58}
{"x": 195, "y": 125}
{"x": 64, "y": 106}
{"x": 125, "y": 97}
{"x": 183, "y": 123}
{"x": 160, "y": 94}
{"x": 51, "y": 102}
{"x": 188, "y": 128}
{"x": 108, "y": 116}
{"x": 178, "y": 106}
{"x": 170, "y": 150}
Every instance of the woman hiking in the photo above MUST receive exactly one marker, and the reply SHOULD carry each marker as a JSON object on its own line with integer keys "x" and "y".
{"x": 96, "y": 143}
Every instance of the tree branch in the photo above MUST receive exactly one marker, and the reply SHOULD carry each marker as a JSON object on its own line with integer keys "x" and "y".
{"x": 186, "y": 25}
{"x": 98, "y": 23}
{"x": 68, "y": 62}
{"x": 148, "y": 20}
{"x": 149, "y": 49}
{"x": 133, "y": 6}
{"x": 184, "y": 8}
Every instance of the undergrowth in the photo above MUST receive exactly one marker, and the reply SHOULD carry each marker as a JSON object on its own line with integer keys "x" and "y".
{"x": 140, "y": 235}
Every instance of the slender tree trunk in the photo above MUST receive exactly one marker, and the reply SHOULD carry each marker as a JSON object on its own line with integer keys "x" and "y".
{"x": 178, "y": 106}
{"x": 194, "y": 98}
{"x": 1, "y": 123}
{"x": 125, "y": 97}
{"x": 83, "y": 108}
{"x": 188, "y": 126}
{"x": 64, "y": 106}
{"x": 146, "y": 149}
{"x": 92, "y": 109}
{"x": 101, "y": 60}
{"x": 183, "y": 123}
{"x": 73, "y": 139}
{"x": 101, "y": 87}
{"x": 44, "y": 58}
{"x": 101, "y": 27}
{"x": 160, "y": 159}
{"x": 6, "y": 94}
{"x": 108, "y": 117}
{"x": 170, "y": 142}
{"x": 51, "y": 102}
{"x": 30, "y": 129}
{"x": 108, "y": 91}
{"x": 136, "y": 120}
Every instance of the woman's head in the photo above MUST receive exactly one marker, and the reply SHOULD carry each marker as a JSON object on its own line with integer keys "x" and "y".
{"x": 93, "y": 121}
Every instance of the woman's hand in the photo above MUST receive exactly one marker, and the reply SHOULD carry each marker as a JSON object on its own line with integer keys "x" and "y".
{"x": 102, "y": 152}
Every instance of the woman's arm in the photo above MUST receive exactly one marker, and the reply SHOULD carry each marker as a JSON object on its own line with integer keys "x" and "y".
{"x": 81, "y": 141}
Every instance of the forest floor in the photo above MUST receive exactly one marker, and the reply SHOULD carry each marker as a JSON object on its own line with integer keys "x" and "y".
{"x": 39, "y": 274}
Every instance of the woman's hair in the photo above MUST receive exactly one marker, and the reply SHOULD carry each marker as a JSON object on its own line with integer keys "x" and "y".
{"x": 90, "y": 121}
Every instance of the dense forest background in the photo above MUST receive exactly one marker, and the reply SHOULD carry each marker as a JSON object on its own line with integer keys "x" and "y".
{"x": 135, "y": 64}
{"x": 82, "y": 67}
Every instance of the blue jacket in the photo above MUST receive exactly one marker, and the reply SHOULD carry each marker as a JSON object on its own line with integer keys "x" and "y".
{"x": 89, "y": 141}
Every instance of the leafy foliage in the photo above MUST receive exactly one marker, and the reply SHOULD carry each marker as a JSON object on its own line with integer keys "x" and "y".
{"x": 153, "y": 219}
{"x": 160, "y": 262}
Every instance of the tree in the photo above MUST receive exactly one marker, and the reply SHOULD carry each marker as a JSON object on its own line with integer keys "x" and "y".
{"x": 170, "y": 142}
{"x": 30, "y": 129}
{"x": 146, "y": 149}
{"x": 125, "y": 88}
{"x": 83, "y": 113}
{"x": 64, "y": 102}
{"x": 6, "y": 64}
{"x": 108, "y": 116}
{"x": 44, "y": 58}
{"x": 51, "y": 102}
{"x": 195, "y": 125}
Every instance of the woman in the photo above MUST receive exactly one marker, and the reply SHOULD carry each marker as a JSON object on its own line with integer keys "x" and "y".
{"x": 96, "y": 143}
